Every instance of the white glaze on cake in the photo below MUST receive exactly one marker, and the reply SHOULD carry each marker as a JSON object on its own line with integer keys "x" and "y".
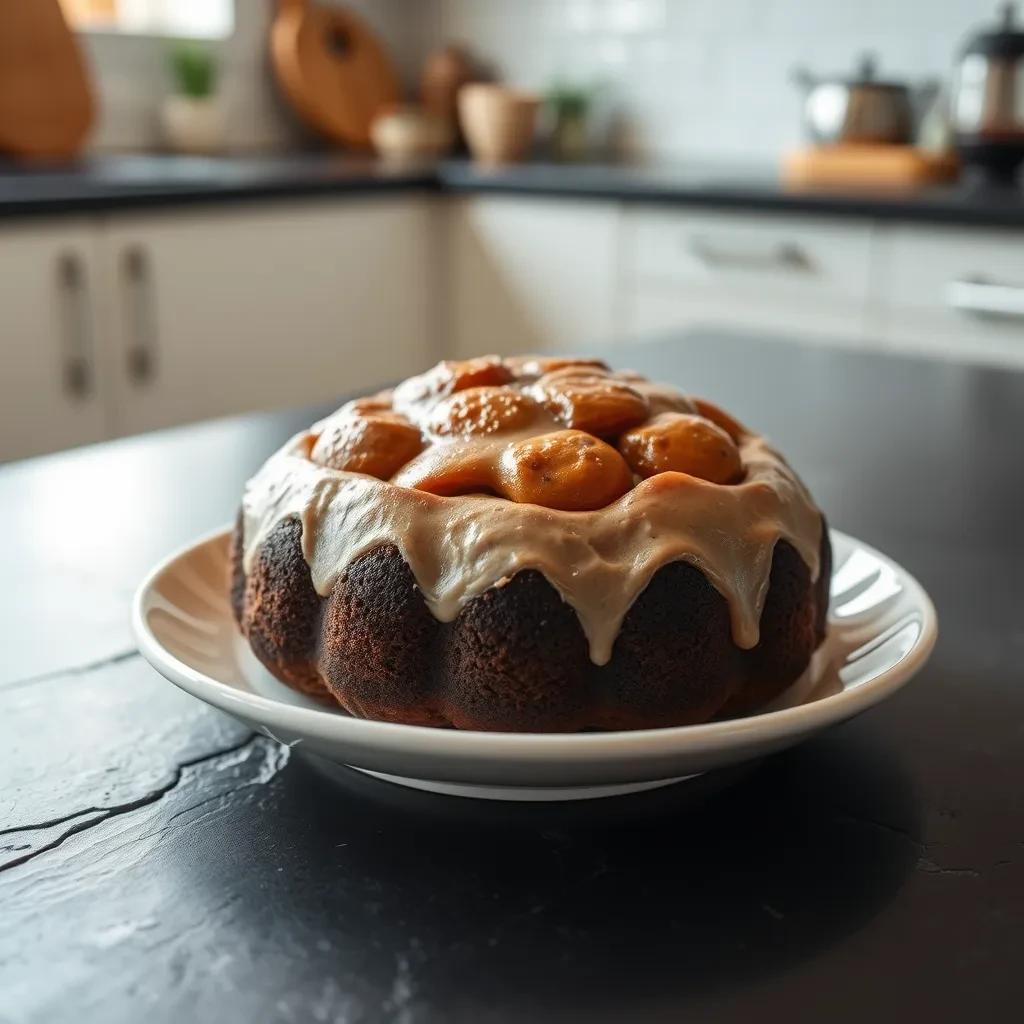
{"x": 458, "y": 547}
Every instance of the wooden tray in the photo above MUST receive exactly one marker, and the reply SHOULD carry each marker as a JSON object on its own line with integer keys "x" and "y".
{"x": 868, "y": 165}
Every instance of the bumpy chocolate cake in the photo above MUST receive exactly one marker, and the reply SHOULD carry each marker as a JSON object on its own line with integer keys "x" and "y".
{"x": 531, "y": 545}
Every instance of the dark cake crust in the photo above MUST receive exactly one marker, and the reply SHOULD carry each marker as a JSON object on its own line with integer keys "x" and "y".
{"x": 278, "y": 609}
{"x": 515, "y": 659}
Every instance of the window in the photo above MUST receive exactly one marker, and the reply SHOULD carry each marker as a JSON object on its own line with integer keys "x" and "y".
{"x": 196, "y": 19}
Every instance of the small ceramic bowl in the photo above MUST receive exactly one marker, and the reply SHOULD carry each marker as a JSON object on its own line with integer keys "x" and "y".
{"x": 409, "y": 133}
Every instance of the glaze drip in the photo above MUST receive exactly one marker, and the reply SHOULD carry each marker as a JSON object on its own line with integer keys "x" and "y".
{"x": 599, "y": 561}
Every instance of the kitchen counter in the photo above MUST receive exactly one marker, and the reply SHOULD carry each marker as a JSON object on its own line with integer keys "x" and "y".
{"x": 106, "y": 184}
{"x": 160, "y": 862}
{"x": 729, "y": 187}
{"x": 129, "y": 182}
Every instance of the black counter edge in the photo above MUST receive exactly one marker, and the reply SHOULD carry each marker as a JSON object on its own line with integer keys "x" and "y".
{"x": 960, "y": 210}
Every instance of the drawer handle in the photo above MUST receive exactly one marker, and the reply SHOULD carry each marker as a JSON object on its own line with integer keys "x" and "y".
{"x": 979, "y": 296}
{"x": 77, "y": 372}
{"x": 140, "y": 318}
{"x": 786, "y": 256}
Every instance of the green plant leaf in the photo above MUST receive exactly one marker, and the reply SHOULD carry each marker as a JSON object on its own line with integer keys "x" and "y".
{"x": 194, "y": 68}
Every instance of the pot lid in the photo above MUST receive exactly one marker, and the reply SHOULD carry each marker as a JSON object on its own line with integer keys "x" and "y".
{"x": 865, "y": 76}
{"x": 1004, "y": 42}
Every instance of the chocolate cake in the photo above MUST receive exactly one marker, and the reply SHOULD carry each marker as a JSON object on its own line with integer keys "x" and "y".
{"x": 531, "y": 545}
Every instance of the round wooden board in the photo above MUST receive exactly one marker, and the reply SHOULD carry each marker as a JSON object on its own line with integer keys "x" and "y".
{"x": 333, "y": 70}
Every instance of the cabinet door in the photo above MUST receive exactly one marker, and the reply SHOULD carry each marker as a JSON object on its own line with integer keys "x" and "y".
{"x": 783, "y": 274}
{"x": 220, "y": 312}
{"x": 531, "y": 275}
{"x": 952, "y": 291}
{"x": 50, "y": 389}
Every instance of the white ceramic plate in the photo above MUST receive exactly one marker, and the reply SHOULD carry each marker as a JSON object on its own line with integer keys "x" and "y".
{"x": 882, "y": 628}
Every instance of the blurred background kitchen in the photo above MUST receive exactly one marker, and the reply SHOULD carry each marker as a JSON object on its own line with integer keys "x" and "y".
{"x": 214, "y": 206}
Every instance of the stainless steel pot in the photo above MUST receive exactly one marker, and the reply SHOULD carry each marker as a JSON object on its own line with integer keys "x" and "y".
{"x": 988, "y": 98}
{"x": 860, "y": 108}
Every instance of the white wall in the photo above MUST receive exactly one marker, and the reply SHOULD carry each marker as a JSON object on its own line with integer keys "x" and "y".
{"x": 693, "y": 77}
{"x": 131, "y": 76}
{"x": 707, "y": 77}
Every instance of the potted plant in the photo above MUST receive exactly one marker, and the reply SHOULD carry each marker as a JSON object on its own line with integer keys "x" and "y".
{"x": 569, "y": 108}
{"x": 192, "y": 117}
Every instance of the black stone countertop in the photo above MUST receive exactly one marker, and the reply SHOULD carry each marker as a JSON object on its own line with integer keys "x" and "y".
{"x": 115, "y": 183}
{"x": 730, "y": 187}
{"x": 160, "y": 863}
{"x": 128, "y": 182}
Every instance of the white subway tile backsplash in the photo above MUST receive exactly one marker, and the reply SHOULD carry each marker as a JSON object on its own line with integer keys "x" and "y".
{"x": 706, "y": 77}
{"x": 633, "y": 17}
{"x": 579, "y": 16}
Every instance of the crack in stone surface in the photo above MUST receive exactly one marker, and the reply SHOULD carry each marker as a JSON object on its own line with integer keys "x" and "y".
{"x": 92, "y": 816}
{"x": 74, "y": 670}
{"x": 281, "y": 755}
{"x": 931, "y": 868}
{"x": 893, "y": 830}
{"x": 924, "y": 864}
{"x": 39, "y": 826}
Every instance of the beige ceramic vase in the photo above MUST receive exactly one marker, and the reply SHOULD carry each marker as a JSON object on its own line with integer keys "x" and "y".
{"x": 497, "y": 121}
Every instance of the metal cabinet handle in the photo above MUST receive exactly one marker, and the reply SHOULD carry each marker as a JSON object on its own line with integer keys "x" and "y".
{"x": 787, "y": 256}
{"x": 140, "y": 317}
{"x": 979, "y": 296}
{"x": 77, "y": 371}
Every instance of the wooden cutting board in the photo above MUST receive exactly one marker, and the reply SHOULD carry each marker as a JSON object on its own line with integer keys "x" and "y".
{"x": 332, "y": 69}
{"x": 46, "y": 104}
{"x": 879, "y": 165}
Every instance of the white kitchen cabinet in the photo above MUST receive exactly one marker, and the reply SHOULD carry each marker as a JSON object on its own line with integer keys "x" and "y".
{"x": 531, "y": 275}
{"x": 951, "y": 291}
{"x": 222, "y": 311}
{"x": 51, "y": 393}
{"x": 116, "y": 324}
{"x": 772, "y": 273}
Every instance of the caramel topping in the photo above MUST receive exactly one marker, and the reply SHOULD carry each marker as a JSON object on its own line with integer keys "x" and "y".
{"x": 500, "y": 490}
{"x": 380, "y": 402}
{"x": 453, "y": 469}
{"x": 377, "y": 442}
{"x": 485, "y": 410}
{"x": 568, "y": 470}
{"x": 446, "y": 378}
{"x": 720, "y": 418}
{"x": 590, "y": 402}
{"x": 682, "y": 443}
{"x": 528, "y": 368}
{"x": 663, "y": 399}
